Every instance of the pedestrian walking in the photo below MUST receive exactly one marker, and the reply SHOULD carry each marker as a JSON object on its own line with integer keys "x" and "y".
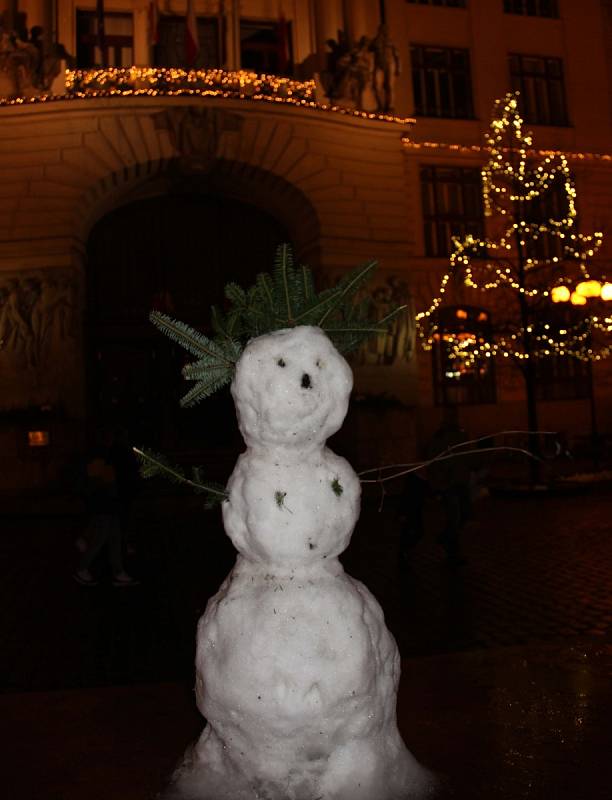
{"x": 105, "y": 496}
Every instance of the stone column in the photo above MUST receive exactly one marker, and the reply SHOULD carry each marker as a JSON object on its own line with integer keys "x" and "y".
{"x": 356, "y": 22}
{"x": 328, "y": 20}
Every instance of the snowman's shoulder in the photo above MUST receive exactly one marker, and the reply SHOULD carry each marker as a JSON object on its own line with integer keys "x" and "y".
{"x": 335, "y": 462}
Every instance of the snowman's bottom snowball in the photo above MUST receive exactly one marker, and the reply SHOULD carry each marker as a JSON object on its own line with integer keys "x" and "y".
{"x": 297, "y": 676}
{"x": 353, "y": 772}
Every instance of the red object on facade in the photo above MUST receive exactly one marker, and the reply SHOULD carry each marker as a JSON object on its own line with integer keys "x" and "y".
{"x": 192, "y": 46}
{"x": 153, "y": 22}
{"x": 283, "y": 44}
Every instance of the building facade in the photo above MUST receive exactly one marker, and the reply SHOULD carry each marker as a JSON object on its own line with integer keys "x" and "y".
{"x": 128, "y": 184}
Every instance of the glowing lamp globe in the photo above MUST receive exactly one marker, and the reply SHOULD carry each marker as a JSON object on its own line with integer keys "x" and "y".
{"x": 606, "y": 292}
{"x": 560, "y": 294}
{"x": 589, "y": 288}
{"x": 577, "y": 299}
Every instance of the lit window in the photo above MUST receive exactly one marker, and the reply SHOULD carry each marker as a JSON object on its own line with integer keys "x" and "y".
{"x": 118, "y": 40}
{"x": 539, "y": 79}
{"x": 532, "y": 8}
{"x": 442, "y": 82}
{"x": 452, "y": 206}
{"x": 462, "y": 379}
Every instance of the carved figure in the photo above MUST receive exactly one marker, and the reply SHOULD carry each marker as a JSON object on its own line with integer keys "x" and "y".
{"x": 27, "y": 67}
{"x": 14, "y": 329}
{"x": 386, "y": 69}
{"x": 350, "y": 69}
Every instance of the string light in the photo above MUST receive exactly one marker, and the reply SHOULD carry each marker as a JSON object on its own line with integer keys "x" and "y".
{"x": 171, "y": 82}
{"x": 512, "y": 261}
{"x": 477, "y": 149}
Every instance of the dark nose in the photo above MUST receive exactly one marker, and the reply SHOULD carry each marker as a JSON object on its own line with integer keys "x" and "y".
{"x": 306, "y": 384}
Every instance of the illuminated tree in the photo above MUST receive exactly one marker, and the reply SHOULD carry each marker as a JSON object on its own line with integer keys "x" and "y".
{"x": 530, "y": 262}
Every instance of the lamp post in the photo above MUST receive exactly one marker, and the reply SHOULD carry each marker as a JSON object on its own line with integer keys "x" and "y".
{"x": 584, "y": 292}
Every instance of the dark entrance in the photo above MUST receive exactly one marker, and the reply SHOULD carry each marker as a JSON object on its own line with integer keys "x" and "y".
{"x": 174, "y": 253}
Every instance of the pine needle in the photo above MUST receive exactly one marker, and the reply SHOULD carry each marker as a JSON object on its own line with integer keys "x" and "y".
{"x": 154, "y": 465}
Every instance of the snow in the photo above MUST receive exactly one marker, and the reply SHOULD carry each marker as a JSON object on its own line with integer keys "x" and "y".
{"x": 296, "y": 671}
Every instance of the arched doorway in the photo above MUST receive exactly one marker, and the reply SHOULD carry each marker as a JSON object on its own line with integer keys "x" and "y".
{"x": 175, "y": 253}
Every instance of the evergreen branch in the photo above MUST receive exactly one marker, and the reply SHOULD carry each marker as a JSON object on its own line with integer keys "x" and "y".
{"x": 384, "y": 322}
{"x": 282, "y": 274}
{"x": 235, "y": 294}
{"x": 307, "y": 283}
{"x": 153, "y": 465}
{"x": 191, "y": 340}
{"x": 263, "y": 292}
{"x": 204, "y": 388}
{"x": 348, "y": 286}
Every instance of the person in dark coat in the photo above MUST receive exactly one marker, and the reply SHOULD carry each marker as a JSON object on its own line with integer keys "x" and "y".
{"x": 108, "y": 491}
{"x": 449, "y": 479}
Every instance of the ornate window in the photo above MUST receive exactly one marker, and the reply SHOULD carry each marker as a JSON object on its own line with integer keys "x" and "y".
{"x": 457, "y": 379}
{"x": 532, "y": 8}
{"x": 442, "y": 82}
{"x": 539, "y": 79}
{"x": 118, "y": 40}
{"x": 445, "y": 3}
{"x": 170, "y": 47}
{"x": 452, "y": 206}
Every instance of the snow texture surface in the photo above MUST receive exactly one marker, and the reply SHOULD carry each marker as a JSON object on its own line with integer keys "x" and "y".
{"x": 297, "y": 673}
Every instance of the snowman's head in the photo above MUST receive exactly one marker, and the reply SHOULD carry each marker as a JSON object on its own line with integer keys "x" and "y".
{"x": 291, "y": 387}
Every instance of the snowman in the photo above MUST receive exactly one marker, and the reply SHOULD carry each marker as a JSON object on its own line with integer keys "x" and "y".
{"x": 296, "y": 672}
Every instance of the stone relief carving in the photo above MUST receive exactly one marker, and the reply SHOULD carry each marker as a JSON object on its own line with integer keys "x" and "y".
{"x": 399, "y": 342}
{"x": 196, "y": 133}
{"x": 38, "y": 334}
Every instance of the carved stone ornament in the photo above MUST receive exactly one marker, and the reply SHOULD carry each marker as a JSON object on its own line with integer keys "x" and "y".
{"x": 398, "y": 343}
{"x": 38, "y": 334}
{"x": 196, "y": 133}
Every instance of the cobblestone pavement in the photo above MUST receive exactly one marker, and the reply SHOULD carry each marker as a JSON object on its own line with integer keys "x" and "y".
{"x": 538, "y": 569}
{"x": 505, "y": 691}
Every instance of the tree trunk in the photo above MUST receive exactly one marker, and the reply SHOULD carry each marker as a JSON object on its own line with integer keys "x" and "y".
{"x": 529, "y": 368}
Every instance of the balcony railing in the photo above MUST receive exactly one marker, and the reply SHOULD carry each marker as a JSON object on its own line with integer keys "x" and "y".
{"x": 173, "y": 82}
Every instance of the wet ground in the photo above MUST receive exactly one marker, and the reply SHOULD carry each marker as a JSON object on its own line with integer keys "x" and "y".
{"x": 507, "y": 661}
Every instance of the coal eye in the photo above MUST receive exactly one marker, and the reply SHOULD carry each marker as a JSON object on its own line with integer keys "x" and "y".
{"x": 281, "y": 363}
{"x": 318, "y": 363}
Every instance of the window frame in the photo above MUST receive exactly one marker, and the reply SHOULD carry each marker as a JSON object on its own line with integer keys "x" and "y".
{"x": 532, "y": 8}
{"x": 270, "y": 23}
{"x": 116, "y": 42}
{"x": 439, "y": 222}
{"x": 536, "y": 96}
{"x": 439, "y": 3}
{"x": 482, "y": 390}
{"x": 437, "y": 89}
{"x": 202, "y": 20}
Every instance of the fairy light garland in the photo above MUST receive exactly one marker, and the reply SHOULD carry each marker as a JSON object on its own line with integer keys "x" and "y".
{"x": 483, "y": 264}
{"x": 478, "y": 149}
{"x": 171, "y": 82}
